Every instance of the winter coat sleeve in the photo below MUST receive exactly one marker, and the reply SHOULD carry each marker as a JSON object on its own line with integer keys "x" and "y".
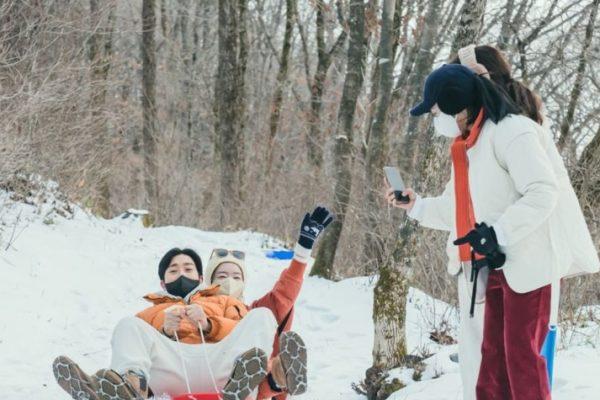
{"x": 282, "y": 297}
{"x": 220, "y": 328}
{"x": 435, "y": 212}
{"x": 522, "y": 155}
{"x": 155, "y": 316}
{"x": 223, "y": 318}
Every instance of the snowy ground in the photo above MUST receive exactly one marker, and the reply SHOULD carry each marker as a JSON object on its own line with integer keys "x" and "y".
{"x": 66, "y": 283}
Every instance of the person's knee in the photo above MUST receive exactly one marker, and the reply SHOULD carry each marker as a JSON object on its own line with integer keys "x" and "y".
{"x": 130, "y": 324}
{"x": 262, "y": 316}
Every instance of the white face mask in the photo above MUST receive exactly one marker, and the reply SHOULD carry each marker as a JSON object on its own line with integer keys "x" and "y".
{"x": 445, "y": 125}
{"x": 230, "y": 287}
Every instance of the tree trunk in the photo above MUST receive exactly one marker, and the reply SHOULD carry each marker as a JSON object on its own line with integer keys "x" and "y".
{"x": 389, "y": 346}
{"x": 315, "y": 151}
{"x": 163, "y": 18}
{"x": 425, "y": 57}
{"x": 100, "y": 55}
{"x": 586, "y": 178}
{"x": 377, "y": 146}
{"x": 193, "y": 130}
{"x": 470, "y": 25}
{"x": 149, "y": 103}
{"x": 343, "y": 152}
{"x": 282, "y": 77}
{"x": 505, "y": 29}
{"x": 229, "y": 106}
{"x": 565, "y": 127}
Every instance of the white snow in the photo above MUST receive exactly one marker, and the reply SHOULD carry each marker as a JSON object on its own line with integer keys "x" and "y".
{"x": 66, "y": 283}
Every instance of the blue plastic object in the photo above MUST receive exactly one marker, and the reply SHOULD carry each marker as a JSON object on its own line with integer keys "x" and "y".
{"x": 280, "y": 254}
{"x": 548, "y": 349}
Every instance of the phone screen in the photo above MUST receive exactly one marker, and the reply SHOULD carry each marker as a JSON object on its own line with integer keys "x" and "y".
{"x": 394, "y": 178}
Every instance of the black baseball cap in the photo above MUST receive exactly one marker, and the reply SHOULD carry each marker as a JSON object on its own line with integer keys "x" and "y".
{"x": 452, "y": 87}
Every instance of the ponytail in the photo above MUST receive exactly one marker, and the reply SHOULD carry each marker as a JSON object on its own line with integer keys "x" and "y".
{"x": 528, "y": 102}
{"x": 495, "y": 102}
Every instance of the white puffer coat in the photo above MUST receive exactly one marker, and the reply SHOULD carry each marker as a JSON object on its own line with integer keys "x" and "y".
{"x": 520, "y": 186}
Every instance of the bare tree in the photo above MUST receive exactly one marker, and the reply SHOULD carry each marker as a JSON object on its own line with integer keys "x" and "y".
{"x": 412, "y": 88}
{"x": 282, "y": 77}
{"x": 389, "y": 346}
{"x": 324, "y": 58}
{"x": 229, "y": 105}
{"x": 100, "y": 55}
{"x": 344, "y": 150}
{"x": 565, "y": 136}
{"x": 148, "y": 51}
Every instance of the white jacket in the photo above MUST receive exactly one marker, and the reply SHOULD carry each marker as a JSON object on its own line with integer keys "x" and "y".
{"x": 520, "y": 186}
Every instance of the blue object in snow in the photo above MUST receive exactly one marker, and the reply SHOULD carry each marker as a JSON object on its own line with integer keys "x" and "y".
{"x": 280, "y": 254}
{"x": 548, "y": 349}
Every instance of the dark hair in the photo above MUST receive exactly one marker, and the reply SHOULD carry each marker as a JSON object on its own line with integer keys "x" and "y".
{"x": 494, "y": 61}
{"x": 165, "y": 261}
{"x": 493, "y": 100}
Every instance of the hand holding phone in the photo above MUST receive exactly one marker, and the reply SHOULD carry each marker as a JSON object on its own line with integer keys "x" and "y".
{"x": 395, "y": 180}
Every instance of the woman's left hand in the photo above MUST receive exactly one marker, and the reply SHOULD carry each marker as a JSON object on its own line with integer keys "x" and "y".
{"x": 196, "y": 314}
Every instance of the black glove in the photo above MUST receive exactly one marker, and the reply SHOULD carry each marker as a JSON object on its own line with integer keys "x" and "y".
{"x": 312, "y": 226}
{"x": 483, "y": 241}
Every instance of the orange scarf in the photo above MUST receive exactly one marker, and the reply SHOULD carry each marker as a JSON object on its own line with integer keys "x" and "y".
{"x": 465, "y": 216}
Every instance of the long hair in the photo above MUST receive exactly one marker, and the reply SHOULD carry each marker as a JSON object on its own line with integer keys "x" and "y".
{"x": 493, "y": 60}
{"x": 493, "y": 100}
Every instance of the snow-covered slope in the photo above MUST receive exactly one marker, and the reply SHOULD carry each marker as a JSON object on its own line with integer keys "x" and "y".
{"x": 67, "y": 281}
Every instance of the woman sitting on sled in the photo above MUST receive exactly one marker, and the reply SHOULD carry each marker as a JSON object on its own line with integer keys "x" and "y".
{"x": 158, "y": 349}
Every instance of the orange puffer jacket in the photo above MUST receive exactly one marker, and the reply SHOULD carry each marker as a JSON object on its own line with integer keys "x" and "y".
{"x": 224, "y": 313}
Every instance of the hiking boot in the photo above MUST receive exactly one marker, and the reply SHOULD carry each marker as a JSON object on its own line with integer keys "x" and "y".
{"x": 292, "y": 354}
{"x": 129, "y": 386}
{"x": 103, "y": 385}
{"x": 73, "y": 380}
{"x": 249, "y": 370}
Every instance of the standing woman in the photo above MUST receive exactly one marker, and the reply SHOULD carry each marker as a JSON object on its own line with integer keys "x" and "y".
{"x": 489, "y": 62}
{"x": 497, "y": 208}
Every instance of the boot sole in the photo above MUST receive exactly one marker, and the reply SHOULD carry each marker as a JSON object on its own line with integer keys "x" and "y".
{"x": 248, "y": 371}
{"x": 113, "y": 387}
{"x": 73, "y": 380}
{"x": 293, "y": 355}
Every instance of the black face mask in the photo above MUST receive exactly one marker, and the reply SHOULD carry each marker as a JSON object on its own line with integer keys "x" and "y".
{"x": 182, "y": 286}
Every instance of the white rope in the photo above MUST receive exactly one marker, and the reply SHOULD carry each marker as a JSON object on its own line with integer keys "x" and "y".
{"x": 185, "y": 374}
{"x": 210, "y": 371}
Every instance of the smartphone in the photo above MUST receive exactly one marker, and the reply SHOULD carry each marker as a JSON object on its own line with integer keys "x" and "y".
{"x": 393, "y": 176}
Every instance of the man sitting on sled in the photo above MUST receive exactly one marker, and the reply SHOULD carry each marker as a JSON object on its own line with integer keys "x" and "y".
{"x": 157, "y": 348}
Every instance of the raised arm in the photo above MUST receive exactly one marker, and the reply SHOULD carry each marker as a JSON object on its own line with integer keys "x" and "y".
{"x": 282, "y": 297}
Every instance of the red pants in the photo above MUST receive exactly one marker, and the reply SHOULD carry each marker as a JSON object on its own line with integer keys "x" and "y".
{"x": 515, "y": 326}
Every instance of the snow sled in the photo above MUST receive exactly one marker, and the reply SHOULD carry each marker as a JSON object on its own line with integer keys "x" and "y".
{"x": 198, "y": 396}
{"x": 280, "y": 254}
{"x": 548, "y": 349}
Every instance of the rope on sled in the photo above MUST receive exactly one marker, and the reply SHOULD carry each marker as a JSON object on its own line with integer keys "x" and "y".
{"x": 210, "y": 371}
{"x": 185, "y": 373}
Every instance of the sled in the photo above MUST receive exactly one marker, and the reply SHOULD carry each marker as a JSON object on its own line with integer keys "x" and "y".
{"x": 548, "y": 352}
{"x": 198, "y": 396}
{"x": 549, "y": 346}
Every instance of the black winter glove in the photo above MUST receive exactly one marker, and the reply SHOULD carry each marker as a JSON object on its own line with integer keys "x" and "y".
{"x": 312, "y": 226}
{"x": 483, "y": 241}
